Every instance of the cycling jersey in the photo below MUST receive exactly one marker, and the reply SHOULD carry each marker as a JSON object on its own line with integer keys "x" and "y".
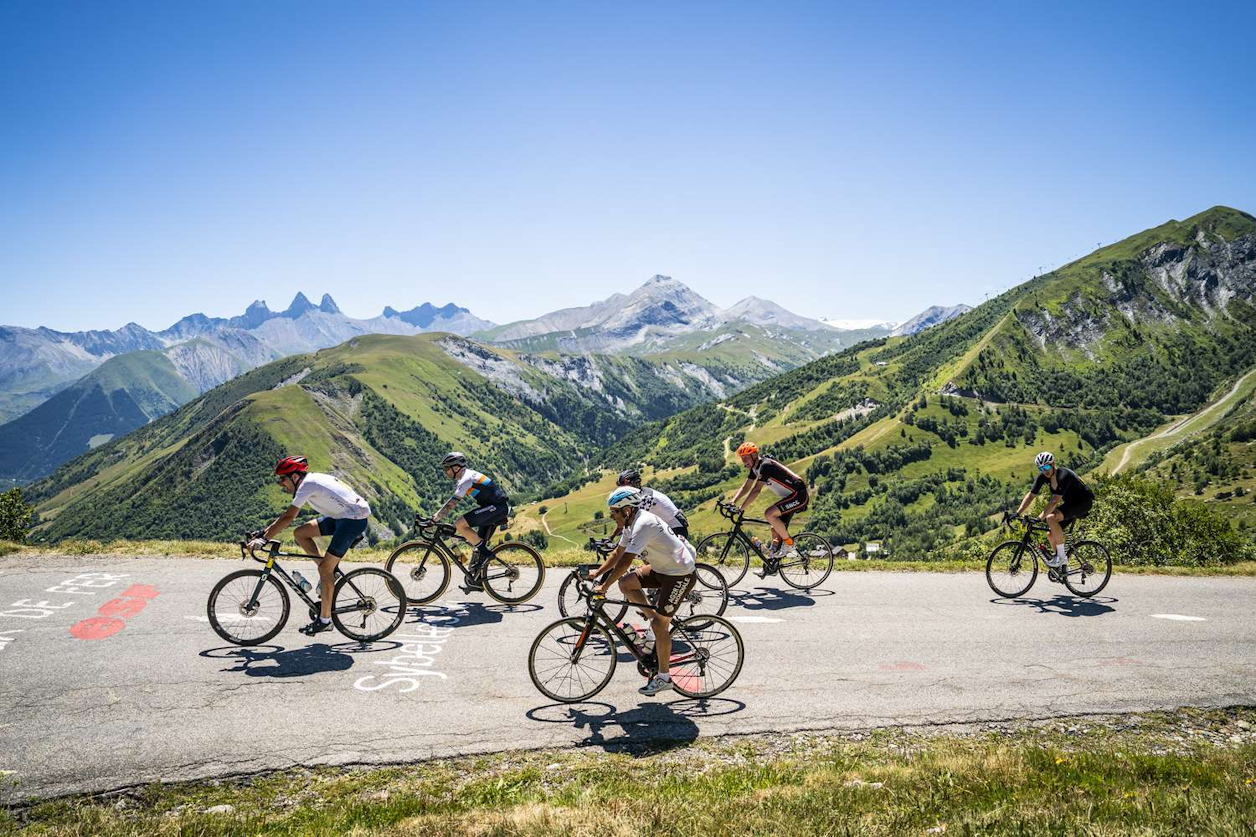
{"x": 331, "y": 497}
{"x": 1068, "y": 485}
{"x": 658, "y": 503}
{"x": 485, "y": 491}
{"x": 648, "y": 537}
{"x": 782, "y": 481}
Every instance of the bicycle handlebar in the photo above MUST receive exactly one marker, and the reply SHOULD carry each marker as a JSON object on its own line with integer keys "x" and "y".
{"x": 729, "y": 510}
{"x": 428, "y": 527}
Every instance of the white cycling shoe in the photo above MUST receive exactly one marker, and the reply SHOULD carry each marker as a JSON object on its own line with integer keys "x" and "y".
{"x": 658, "y": 683}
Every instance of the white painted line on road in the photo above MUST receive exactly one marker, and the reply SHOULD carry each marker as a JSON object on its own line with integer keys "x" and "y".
{"x": 1177, "y": 617}
{"x": 754, "y": 619}
{"x": 229, "y": 617}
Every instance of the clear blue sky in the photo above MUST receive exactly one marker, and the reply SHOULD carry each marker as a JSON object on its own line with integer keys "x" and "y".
{"x": 844, "y": 160}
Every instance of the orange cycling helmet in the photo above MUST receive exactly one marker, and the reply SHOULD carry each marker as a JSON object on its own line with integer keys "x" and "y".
{"x": 291, "y": 465}
{"x": 747, "y": 449}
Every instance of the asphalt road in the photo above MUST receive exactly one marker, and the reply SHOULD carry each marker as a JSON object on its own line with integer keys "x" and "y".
{"x": 86, "y": 705}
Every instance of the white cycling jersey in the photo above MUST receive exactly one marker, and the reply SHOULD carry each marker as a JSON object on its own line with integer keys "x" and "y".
{"x": 650, "y": 538}
{"x": 331, "y": 497}
{"x": 658, "y": 503}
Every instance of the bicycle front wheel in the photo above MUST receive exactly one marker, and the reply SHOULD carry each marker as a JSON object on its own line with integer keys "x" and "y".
{"x": 368, "y": 604}
{"x": 1089, "y": 568}
{"x": 514, "y": 573}
{"x": 422, "y": 569}
{"x": 569, "y": 599}
{"x": 709, "y": 596}
{"x": 813, "y": 564}
{"x": 726, "y": 552}
{"x": 572, "y": 660}
{"x": 1011, "y": 569}
{"x": 248, "y": 607}
{"x": 707, "y": 653}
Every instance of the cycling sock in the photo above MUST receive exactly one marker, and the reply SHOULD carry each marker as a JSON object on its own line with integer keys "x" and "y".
{"x": 1059, "y": 552}
{"x": 665, "y": 675}
{"x": 324, "y": 620}
{"x": 789, "y": 541}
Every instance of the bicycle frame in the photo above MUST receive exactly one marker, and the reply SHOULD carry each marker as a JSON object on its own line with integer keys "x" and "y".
{"x": 597, "y": 615}
{"x": 273, "y": 566}
{"x": 436, "y": 536}
{"x": 770, "y": 564}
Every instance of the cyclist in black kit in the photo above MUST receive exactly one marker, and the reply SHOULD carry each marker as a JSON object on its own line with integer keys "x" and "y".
{"x": 493, "y": 509}
{"x": 784, "y": 483}
{"x": 1070, "y": 500}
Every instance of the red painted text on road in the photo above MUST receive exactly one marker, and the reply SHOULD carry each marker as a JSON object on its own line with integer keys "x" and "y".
{"x": 112, "y": 615}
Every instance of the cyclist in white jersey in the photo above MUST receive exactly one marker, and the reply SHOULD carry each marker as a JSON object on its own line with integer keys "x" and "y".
{"x": 656, "y": 503}
{"x": 670, "y": 563}
{"x": 342, "y": 515}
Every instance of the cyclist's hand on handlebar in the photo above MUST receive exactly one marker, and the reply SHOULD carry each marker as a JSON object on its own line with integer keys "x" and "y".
{"x": 257, "y": 543}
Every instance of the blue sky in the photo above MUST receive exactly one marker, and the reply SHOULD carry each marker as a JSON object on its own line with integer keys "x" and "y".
{"x": 843, "y": 160}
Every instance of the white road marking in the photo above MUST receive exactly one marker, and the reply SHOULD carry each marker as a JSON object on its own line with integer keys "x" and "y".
{"x": 754, "y": 619}
{"x": 231, "y": 618}
{"x": 1177, "y": 617}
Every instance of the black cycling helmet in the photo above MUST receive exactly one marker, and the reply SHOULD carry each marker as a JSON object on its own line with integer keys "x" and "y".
{"x": 453, "y": 459}
{"x": 629, "y": 477}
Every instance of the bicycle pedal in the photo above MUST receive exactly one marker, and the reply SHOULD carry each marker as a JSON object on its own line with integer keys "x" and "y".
{"x": 471, "y": 588}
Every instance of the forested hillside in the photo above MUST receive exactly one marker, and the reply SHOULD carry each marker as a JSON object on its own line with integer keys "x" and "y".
{"x": 921, "y": 439}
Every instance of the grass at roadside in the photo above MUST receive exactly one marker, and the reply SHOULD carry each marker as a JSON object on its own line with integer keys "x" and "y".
{"x": 555, "y": 557}
{"x": 1174, "y": 773}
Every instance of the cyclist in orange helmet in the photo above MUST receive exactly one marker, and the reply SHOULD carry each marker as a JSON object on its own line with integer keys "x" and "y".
{"x": 784, "y": 483}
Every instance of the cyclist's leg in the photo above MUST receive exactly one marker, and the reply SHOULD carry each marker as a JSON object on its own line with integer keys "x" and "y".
{"x": 466, "y": 531}
{"x": 780, "y": 529}
{"x": 471, "y": 524}
{"x": 630, "y": 585}
{"x": 343, "y": 535}
{"x": 672, "y": 591}
{"x": 307, "y": 532}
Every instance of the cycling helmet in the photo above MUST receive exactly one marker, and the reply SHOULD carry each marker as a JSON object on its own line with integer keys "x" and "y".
{"x": 291, "y": 465}
{"x": 1044, "y": 458}
{"x": 625, "y": 496}
{"x": 747, "y": 449}
{"x": 454, "y": 458}
{"x": 629, "y": 477}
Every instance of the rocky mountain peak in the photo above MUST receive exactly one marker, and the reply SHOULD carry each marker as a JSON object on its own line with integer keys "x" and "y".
{"x": 328, "y": 305}
{"x": 300, "y": 305}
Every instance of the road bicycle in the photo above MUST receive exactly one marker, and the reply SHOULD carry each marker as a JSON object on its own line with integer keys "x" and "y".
{"x": 1012, "y": 567}
{"x": 708, "y": 596}
{"x": 249, "y": 607}
{"x": 573, "y": 659}
{"x": 729, "y": 552}
{"x": 512, "y": 574}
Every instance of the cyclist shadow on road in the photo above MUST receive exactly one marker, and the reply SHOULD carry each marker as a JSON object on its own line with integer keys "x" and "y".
{"x": 642, "y": 730}
{"x": 771, "y": 598}
{"x": 1063, "y": 605}
{"x": 462, "y": 614}
{"x": 277, "y": 661}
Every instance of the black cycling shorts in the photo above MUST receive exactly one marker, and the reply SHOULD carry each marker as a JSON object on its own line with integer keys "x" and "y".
{"x": 791, "y": 505}
{"x": 487, "y": 518}
{"x": 672, "y": 588}
{"x": 1076, "y": 511}
{"x": 681, "y": 531}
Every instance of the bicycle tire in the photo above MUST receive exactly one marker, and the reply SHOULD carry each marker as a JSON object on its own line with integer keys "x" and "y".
{"x": 377, "y": 592}
{"x": 568, "y": 599}
{"x": 1015, "y": 554}
{"x": 727, "y": 553}
{"x": 1081, "y": 566}
{"x": 566, "y": 633}
{"x": 513, "y": 563}
{"x": 239, "y": 607}
{"x": 815, "y": 568}
{"x": 411, "y": 563}
{"x": 694, "y": 642}
{"x": 709, "y": 596}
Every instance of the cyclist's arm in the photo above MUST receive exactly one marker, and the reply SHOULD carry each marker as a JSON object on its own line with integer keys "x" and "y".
{"x": 615, "y": 565}
{"x": 284, "y": 521}
{"x": 447, "y": 508}
{"x": 745, "y": 486}
{"x": 754, "y": 492}
{"x": 1029, "y": 499}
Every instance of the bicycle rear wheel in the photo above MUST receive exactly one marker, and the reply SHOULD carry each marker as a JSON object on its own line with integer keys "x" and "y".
{"x": 707, "y": 653}
{"x": 813, "y": 564}
{"x": 245, "y": 611}
{"x": 368, "y": 604}
{"x": 727, "y": 554}
{"x": 514, "y": 573}
{"x": 422, "y": 569}
{"x": 1089, "y": 568}
{"x": 1011, "y": 569}
{"x": 572, "y": 660}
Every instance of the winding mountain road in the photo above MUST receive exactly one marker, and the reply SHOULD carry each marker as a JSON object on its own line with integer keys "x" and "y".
{"x": 112, "y": 677}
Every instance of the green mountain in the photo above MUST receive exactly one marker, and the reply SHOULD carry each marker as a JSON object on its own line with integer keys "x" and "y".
{"x": 123, "y": 393}
{"x": 379, "y": 410}
{"x": 921, "y": 439}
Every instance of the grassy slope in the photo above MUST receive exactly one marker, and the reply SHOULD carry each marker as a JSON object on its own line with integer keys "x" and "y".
{"x": 1185, "y": 772}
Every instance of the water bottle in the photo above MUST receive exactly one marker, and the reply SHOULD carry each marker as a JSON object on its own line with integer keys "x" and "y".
{"x": 757, "y": 543}
{"x": 301, "y": 582}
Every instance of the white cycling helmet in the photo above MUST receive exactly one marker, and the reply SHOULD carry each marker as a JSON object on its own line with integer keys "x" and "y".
{"x": 1044, "y": 458}
{"x": 623, "y": 496}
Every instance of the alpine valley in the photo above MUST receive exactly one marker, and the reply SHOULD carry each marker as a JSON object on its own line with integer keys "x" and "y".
{"x": 913, "y": 440}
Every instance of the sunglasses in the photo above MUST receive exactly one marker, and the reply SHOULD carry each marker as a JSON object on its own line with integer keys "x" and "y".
{"x": 1045, "y": 468}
